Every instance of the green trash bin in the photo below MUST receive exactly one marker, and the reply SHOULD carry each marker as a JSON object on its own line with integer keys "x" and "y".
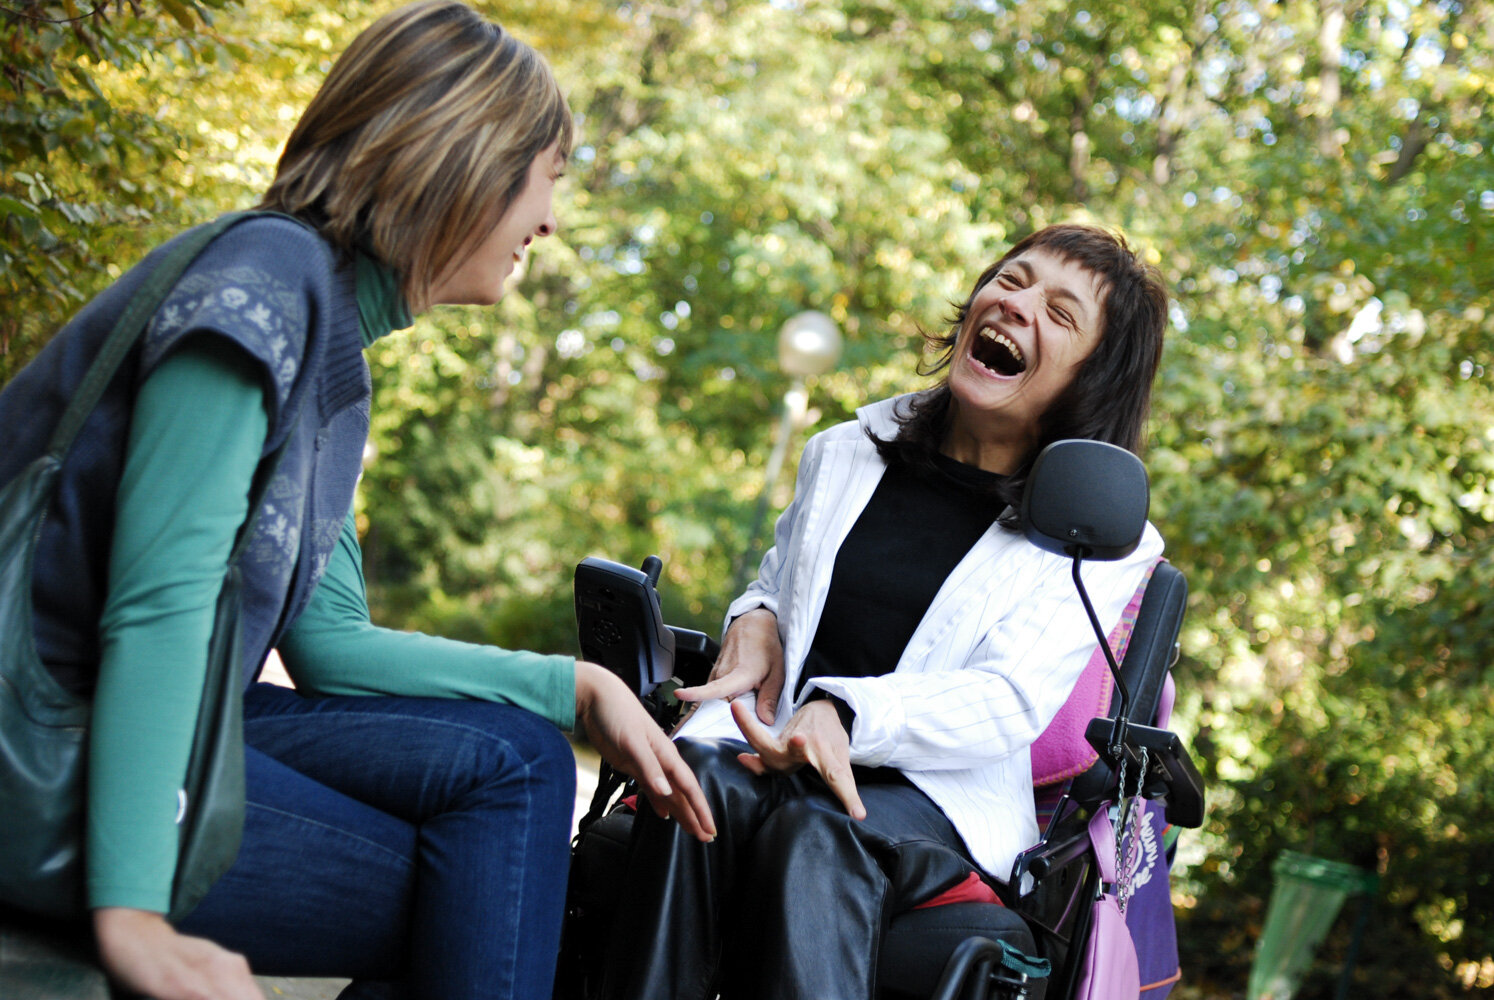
{"x": 1306, "y": 899}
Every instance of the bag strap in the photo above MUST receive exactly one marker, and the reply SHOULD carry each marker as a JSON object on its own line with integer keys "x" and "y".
{"x": 1102, "y": 839}
{"x": 1115, "y": 851}
{"x": 132, "y": 321}
{"x": 1168, "y": 699}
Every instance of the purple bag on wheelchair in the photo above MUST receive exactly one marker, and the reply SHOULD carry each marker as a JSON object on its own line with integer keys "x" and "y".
{"x": 1153, "y": 926}
{"x": 1110, "y": 971}
{"x": 1149, "y": 914}
{"x": 1131, "y": 953}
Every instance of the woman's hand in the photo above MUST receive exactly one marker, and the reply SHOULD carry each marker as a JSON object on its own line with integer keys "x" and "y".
{"x": 814, "y": 736}
{"x": 616, "y": 725}
{"x": 751, "y": 660}
{"x": 147, "y": 955}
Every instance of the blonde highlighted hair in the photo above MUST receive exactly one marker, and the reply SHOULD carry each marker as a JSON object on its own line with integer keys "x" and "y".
{"x": 419, "y": 140}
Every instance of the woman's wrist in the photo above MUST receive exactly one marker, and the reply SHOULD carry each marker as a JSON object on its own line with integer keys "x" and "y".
{"x": 123, "y": 931}
{"x": 125, "y": 916}
{"x": 759, "y": 617}
{"x": 144, "y": 954}
{"x": 591, "y": 681}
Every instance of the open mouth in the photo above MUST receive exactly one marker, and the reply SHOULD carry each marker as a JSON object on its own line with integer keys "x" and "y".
{"x": 998, "y": 352}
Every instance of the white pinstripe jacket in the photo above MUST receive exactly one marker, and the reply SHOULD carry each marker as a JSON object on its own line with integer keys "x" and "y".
{"x": 988, "y": 667}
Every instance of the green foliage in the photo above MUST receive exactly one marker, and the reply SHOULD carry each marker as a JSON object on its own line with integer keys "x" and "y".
{"x": 1312, "y": 177}
{"x": 85, "y": 160}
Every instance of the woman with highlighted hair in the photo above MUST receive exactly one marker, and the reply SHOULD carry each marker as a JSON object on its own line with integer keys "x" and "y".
{"x": 409, "y": 805}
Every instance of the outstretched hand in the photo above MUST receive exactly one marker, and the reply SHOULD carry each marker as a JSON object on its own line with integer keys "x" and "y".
{"x": 814, "y": 736}
{"x": 146, "y": 955}
{"x": 618, "y": 727}
{"x": 751, "y": 660}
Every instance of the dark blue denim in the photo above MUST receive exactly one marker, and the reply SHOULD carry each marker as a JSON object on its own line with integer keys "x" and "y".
{"x": 418, "y": 846}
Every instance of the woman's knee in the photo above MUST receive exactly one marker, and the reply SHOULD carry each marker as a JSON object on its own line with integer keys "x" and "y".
{"x": 543, "y": 750}
{"x": 715, "y": 765}
{"x": 803, "y": 823}
{"x": 467, "y": 747}
{"x": 711, "y": 758}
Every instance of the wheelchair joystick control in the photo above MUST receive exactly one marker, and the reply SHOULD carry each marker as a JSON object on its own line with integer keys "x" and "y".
{"x": 651, "y": 569}
{"x": 619, "y": 622}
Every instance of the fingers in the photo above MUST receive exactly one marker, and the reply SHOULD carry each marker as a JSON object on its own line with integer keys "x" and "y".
{"x": 727, "y": 686}
{"x": 839, "y": 776}
{"x": 645, "y": 765}
{"x": 666, "y": 779}
{"x": 672, "y": 790}
{"x": 772, "y": 752}
{"x": 694, "y": 819}
{"x": 751, "y": 658}
{"x": 824, "y": 749}
{"x": 756, "y": 735}
{"x": 625, "y": 736}
{"x": 687, "y": 802}
{"x": 768, "y": 693}
{"x": 753, "y": 763}
{"x": 146, "y": 955}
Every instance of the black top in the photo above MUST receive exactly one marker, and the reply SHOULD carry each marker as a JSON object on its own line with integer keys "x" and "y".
{"x": 914, "y": 531}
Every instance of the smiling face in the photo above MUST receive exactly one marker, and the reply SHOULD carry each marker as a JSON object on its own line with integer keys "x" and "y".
{"x": 1023, "y": 338}
{"x": 478, "y": 277}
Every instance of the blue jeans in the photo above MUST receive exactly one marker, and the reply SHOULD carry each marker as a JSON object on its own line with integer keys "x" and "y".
{"x": 419, "y": 846}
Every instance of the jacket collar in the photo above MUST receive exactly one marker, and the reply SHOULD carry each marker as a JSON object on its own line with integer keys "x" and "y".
{"x": 881, "y": 418}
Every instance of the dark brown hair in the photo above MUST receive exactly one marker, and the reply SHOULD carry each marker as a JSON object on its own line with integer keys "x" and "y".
{"x": 1110, "y": 395}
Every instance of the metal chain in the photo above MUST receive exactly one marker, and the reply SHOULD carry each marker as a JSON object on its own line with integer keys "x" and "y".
{"x": 1128, "y": 833}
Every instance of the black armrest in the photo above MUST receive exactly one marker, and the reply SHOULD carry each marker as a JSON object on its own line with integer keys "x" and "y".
{"x": 1049, "y": 856}
{"x": 694, "y": 655}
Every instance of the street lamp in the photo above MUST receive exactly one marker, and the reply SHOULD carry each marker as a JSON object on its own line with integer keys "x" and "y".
{"x": 808, "y": 344}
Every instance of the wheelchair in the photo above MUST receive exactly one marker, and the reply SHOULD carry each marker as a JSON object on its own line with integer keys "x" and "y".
{"x": 1084, "y": 500}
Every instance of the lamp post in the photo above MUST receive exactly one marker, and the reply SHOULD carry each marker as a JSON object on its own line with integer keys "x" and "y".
{"x": 808, "y": 344}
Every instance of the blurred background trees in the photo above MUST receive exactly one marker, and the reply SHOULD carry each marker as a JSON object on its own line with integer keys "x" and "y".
{"x": 1313, "y": 178}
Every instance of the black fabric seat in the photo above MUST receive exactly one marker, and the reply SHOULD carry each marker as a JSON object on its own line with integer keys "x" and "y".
{"x": 918, "y": 944}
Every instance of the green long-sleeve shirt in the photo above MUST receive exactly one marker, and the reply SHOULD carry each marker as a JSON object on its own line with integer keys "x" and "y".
{"x": 196, "y": 433}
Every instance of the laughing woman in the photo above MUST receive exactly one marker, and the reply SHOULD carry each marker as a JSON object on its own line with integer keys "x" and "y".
{"x": 919, "y": 643}
{"x": 409, "y": 806}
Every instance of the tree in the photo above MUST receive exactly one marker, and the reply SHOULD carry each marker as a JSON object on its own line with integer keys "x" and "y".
{"x": 81, "y": 149}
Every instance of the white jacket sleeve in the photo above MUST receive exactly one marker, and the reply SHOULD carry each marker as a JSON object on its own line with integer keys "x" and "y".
{"x": 1009, "y": 664}
{"x": 764, "y": 591}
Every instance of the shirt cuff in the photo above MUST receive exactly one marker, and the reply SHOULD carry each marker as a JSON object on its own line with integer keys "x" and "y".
{"x": 846, "y": 712}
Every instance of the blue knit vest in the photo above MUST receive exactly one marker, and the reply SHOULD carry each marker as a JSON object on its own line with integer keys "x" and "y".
{"x": 284, "y": 295}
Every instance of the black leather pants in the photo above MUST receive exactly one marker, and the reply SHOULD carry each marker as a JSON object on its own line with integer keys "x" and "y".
{"x": 790, "y": 900}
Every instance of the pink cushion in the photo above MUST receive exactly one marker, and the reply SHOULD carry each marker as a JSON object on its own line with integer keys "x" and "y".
{"x": 1062, "y": 752}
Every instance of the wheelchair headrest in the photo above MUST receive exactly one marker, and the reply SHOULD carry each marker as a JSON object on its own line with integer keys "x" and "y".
{"x": 1086, "y": 498}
